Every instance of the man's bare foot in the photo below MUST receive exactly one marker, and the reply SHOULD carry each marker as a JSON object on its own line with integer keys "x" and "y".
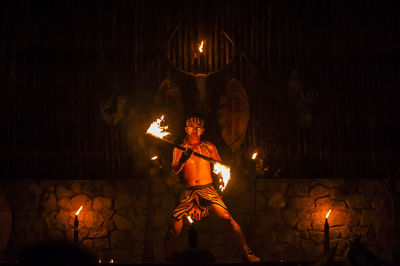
{"x": 249, "y": 256}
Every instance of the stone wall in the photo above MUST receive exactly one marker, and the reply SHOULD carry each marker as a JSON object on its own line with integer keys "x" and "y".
{"x": 282, "y": 219}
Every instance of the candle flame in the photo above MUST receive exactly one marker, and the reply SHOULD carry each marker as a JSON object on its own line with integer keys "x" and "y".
{"x": 77, "y": 213}
{"x": 154, "y": 158}
{"x": 327, "y": 215}
{"x": 225, "y": 172}
{"x": 189, "y": 219}
{"x": 201, "y": 47}
{"x": 157, "y": 130}
{"x": 111, "y": 261}
{"x": 254, "y": 156}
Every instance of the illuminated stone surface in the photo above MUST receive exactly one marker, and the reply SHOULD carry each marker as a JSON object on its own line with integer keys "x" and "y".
{"x": 121, "y": 222}
{"x": 357, "y": 201}
{"x": 50, "y": 202}
{"x": 319, "y": 191}
{"x": 301, "y": 203}
{"x": 93, "y": 219}
{"x": 63, "y": 192}
{"x": 323, "y": 202}
{"x": 81, "y": 199}
{"x": 289, "y": 217}
{"x": 303, "y": 226}
{"x": 338, "y": 194}
{"x": 102, "y": 203}
{"x": 65, "y": 203}
{"x": 100, "y": 233}
{"x": 338, "y": 218}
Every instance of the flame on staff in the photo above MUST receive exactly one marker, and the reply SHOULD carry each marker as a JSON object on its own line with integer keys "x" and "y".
{"x": 157, "y": 130}
{"x": 225, "y": 174}
{"x": 77, "y": 213}
{"x": 189, "y": 219}
{"x": 254, "y": 156}
{"x": 201, "y": 47}
{"x": 327, "y": 215}
{"x": 154, "y": 158}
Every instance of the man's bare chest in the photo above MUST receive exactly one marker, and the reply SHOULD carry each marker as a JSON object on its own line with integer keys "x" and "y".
{"x": 201, "y": 148}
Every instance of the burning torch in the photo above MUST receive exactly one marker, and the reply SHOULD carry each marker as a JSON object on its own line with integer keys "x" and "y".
{"x": 76, "y": 225}
{"x": 160, "y": 132}
{"x": 326, "y": 233}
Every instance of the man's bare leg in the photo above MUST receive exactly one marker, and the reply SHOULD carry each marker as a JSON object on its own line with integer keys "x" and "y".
{"x": 231, "y": 225}
{"x": 236, "y": 231}
{"x": 174, "y": 229}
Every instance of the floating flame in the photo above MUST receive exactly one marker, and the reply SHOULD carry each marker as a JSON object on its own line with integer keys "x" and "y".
{"x": 157, "y": 130}
{"x": 111, "y": 261}
{"x": 201, "y": 47}
{"x": 225, "y": 172}
{"x": 77, "y": 213}
{"x": 154, "y": 158}
{"x": 327, "y": 215}
{"x": 189, "y": 219}
{"x": 254, "y": 156}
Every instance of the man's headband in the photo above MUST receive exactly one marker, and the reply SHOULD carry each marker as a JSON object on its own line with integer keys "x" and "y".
{"x": 195, "y": 120}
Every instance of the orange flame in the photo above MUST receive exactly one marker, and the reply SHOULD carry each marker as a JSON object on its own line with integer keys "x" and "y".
{"x": 254, "y": 156}
{"x": 77, "y": 213}
{"x": 327, "y": 215}
{"x": 157, "y": 130}
{"x": 225, "y": 172}
{"x": 189, "y": 219}
{"x": 154, "y": 158}
{"x": 111, "y": 261}
{"x": 201, "y": 47}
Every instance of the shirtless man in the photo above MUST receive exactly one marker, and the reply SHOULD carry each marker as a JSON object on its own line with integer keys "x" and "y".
{"x": 200, "y": 197}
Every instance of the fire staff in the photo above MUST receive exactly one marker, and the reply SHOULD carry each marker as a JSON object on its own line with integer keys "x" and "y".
{"x": 200, "y": 198}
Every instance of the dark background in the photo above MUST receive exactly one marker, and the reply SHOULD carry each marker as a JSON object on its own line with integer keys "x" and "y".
{"x": 61, "y": 59}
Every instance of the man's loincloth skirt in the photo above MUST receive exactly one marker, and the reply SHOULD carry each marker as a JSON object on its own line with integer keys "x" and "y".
{"x": 196, "y": 202}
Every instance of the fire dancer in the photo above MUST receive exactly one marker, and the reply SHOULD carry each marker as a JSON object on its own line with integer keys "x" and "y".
{"x": 200, "y": 197}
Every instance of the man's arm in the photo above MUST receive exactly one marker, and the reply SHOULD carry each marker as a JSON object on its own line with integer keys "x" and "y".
{"x": 176, "y": 168}
{"x": 179, "y": 159}
{"x": 213, "y": 151}
{"x": 214, "y": 155}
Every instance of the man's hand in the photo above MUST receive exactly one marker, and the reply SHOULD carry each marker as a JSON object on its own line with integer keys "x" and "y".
{"x": 185, "y": 155}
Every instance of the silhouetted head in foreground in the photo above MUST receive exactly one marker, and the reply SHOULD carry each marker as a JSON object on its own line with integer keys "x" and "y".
{"x": 359, "y": 255}
{"x": 56, "y": 253}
